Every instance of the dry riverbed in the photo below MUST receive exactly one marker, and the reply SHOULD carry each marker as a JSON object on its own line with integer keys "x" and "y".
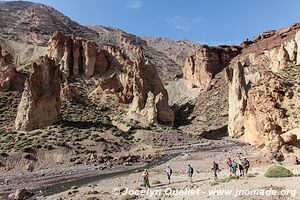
{"x": 128, "y": 186}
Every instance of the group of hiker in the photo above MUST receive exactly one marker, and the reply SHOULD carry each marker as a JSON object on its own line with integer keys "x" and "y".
{"x": 241, "y": 164}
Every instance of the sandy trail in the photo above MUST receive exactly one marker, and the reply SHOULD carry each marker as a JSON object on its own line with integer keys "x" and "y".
{"x": 201, "y": 158}
{"x": 201, "y": 161}
{"x": 61, "y": 178}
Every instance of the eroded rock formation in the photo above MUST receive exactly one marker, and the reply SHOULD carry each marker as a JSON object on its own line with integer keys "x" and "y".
{"x": 150, "y": 96}
{"x": 200, "y": 68}
{"x": 264, "y": 112}
{"x": 263, "y": 81}
{"x": 40, "y": 102}
{"x": 10, "y": 79}
{"x": 138, "y": 83}
{"x": 76, "y": 56}
{"x": 237, "y": 99}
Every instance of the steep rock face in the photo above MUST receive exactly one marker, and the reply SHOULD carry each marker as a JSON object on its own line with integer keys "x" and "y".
{"x": 76, "y": 56}
{"x": 265, "y": 111}
{"x": 267, "y": 78}
{"x": 237, "y": 99}
{"x": 10, "y": 79}
{"x": 40, "y": 102}
{"x": 271, "y": 54}
{"x": 200, "y": 68}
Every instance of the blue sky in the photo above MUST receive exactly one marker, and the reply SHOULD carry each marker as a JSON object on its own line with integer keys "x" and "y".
{"x": 212, "y": 21}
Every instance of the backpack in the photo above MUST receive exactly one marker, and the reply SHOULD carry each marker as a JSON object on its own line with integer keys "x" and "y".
{"x": 233, "y": 164}
{"x": 229, "y": 163}
{"x": 217, "y": 166}
{"x": 247, "y": 164}
{"x": 191, "y": 170}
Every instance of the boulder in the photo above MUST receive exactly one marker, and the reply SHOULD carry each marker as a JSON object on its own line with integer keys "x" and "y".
{"x": 121, "y": 126}
{"x": 290, "y": 138}
{"x": 40, "y": 103}
{"x": 291, "y": 160}
{"x": 29, "y": 167}
{"x": 257, "y": 38}
{"x": 20, "y": 194}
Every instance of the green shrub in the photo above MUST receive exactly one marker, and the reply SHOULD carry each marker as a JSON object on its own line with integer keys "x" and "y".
{"x": 278, "y": 172}
{"x": 223, "y": 180}
{"x": 227, "y": 179}
{"x": 213, "y": 183}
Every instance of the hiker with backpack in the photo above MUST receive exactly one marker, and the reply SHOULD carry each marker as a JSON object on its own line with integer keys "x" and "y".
{"x": 234, "y": 167}
{"x": 246, "y": 165}
{"x": 240, "y": 164}
{"x": 145, "y": 177}
{"x": 215, "y": 168}
{"x": 190, "y": 172}
{"x": 229, "y": 164}
{"x": 169, "y": 173}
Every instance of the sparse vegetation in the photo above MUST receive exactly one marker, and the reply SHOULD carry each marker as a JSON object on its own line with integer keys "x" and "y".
{"x": 223, "y": 180}
{"x": 278, "y": 172}
{"x": 213, "y": 183}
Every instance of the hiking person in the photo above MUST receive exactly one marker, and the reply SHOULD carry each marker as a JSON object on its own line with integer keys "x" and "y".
{"x": 240, "y": 166}
{"x": 246, "y": 165}
{"x": 229, "y": 164}
{"x": 169, "y": 173}
{"x": 215, "y": 168}
{"x": 234, "y": 167}
{"x": 145, "y": 176}
{"x": 190, "y": 172}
